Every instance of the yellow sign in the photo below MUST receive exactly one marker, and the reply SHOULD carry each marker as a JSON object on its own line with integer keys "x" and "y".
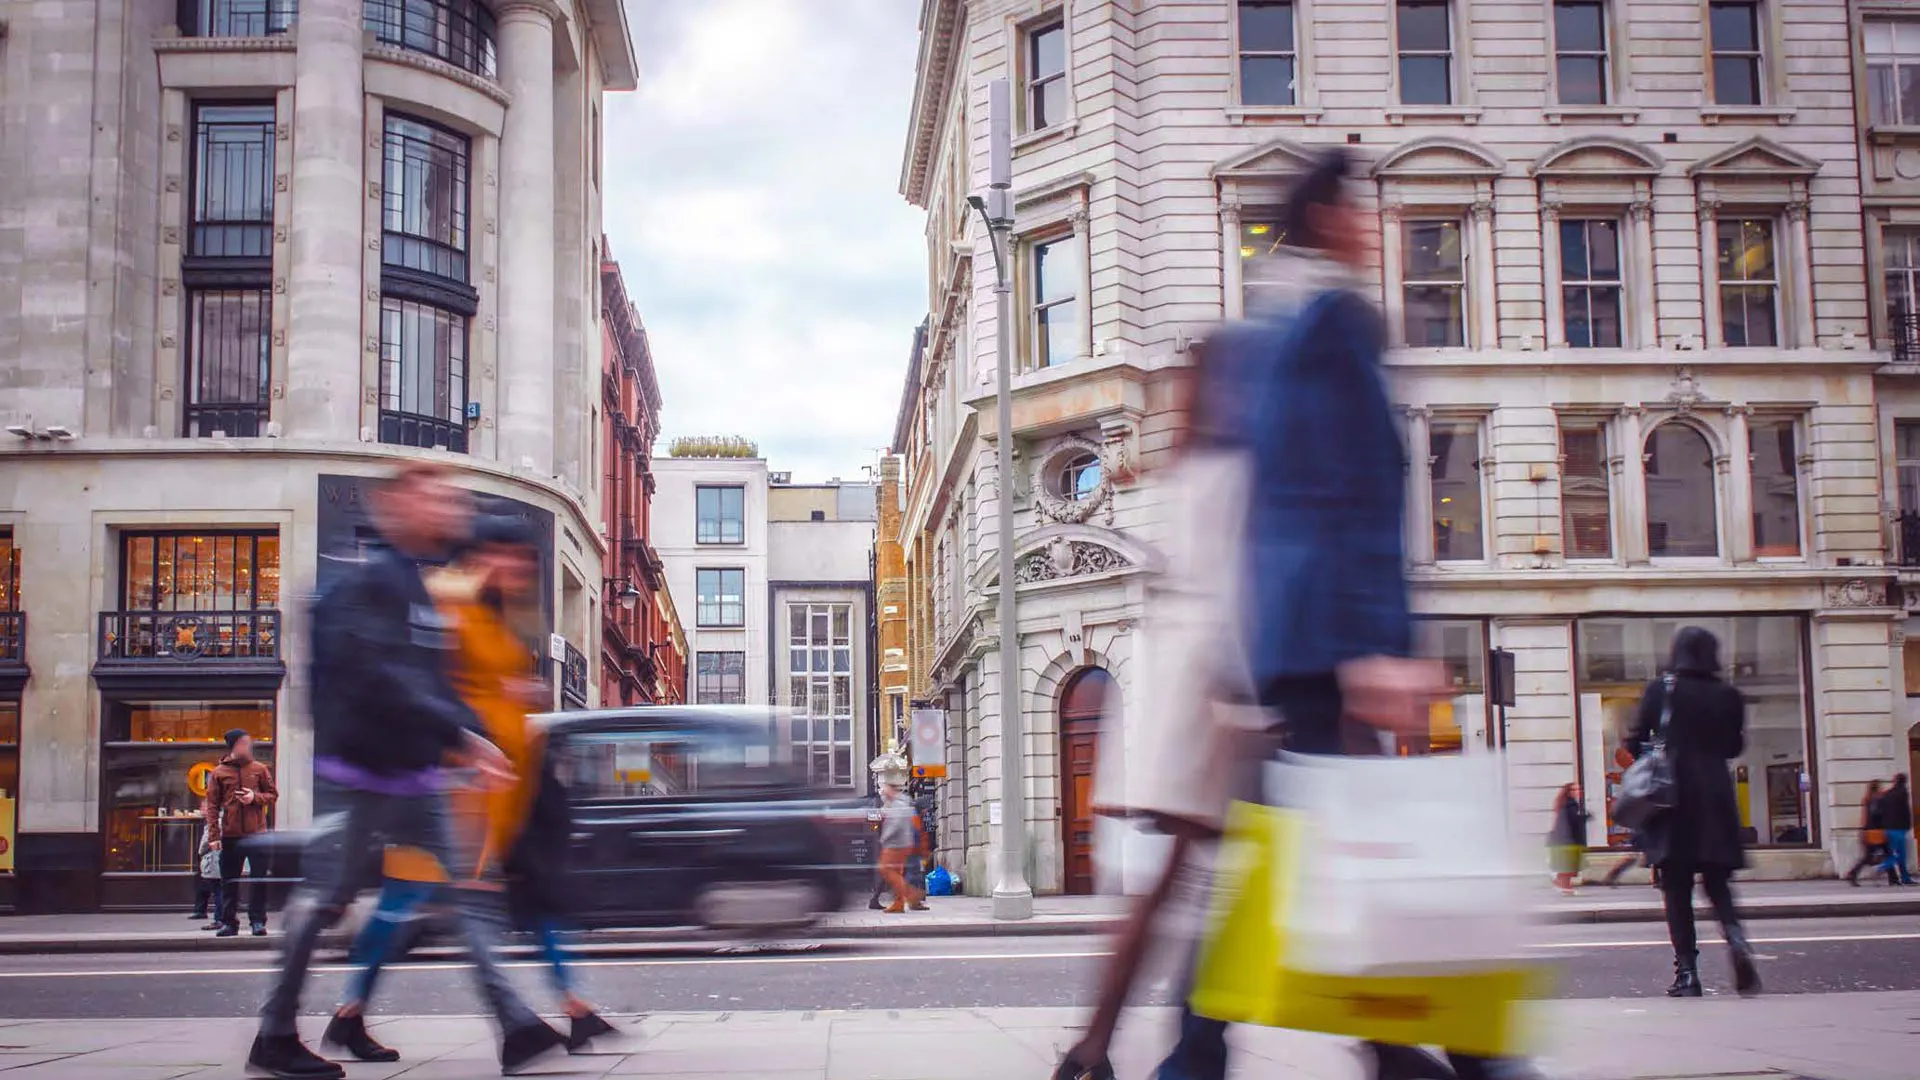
{"x": 6, "y": 832}
{"x": 197, "y": 778}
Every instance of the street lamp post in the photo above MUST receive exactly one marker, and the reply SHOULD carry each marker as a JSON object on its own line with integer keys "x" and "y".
{"x": 1012, "y": 895}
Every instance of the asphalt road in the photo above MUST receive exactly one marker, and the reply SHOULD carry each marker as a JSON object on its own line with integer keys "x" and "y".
{"x": 1799, "y": 957}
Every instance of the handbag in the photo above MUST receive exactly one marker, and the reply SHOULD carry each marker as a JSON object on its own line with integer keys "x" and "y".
{"x": 1647, "y": 789}
{"x": 1874, "y": 838}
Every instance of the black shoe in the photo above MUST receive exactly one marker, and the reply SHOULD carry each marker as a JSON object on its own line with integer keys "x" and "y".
{"x": 212, "y": 926}
{"x": 876, "y": 905}
{"x": 523, "y": 1044}
{"x": 259, "y": 929}
{"x": 227, "y": 931}
{"x": 586, "y": 1029}
{"x": 285, "y": 1057}
{"x": 349, "y": 1033}
{"x": 1072, "y": 1070}
{"x": 1686, "y": 982}
{"x": 1392, "y": 1062}
{"x": 1746, "y": 975}
{"x": 199, "y": 916}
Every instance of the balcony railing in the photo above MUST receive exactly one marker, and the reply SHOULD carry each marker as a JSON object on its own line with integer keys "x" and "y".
{"x": 1908, "y": 524}
{"x": 236, "y": 18}
{"x": 460, "y": 32}
{"x": 408, "y": 429}
{"x": 1905, "y": 328}
{"x": 189, "y": 636}
{"x": 13, "y": 637}
{"x": 232, "y": 421}
{"x": 573, "y": 678}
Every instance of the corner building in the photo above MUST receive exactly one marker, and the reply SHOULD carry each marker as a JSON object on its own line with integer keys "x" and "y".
{"x": 253, "y": 254}
{"x": 1635, "y": 355}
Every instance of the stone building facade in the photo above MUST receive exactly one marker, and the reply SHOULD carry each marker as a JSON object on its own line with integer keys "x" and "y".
{"x": 254, "y": 254}
{"x": 1636, "y": 356}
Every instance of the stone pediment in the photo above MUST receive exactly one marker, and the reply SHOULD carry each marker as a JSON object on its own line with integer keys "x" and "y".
{"x": 1756, "y": 159}
{"x": 1440, "y": 157}
{"x": 1597, "y": 156}
{"x": 1065, "y": 552}
{"x": 1268, "y": 161}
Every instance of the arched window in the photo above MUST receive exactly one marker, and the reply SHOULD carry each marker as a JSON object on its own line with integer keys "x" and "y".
{"x": 1682, "y": 518}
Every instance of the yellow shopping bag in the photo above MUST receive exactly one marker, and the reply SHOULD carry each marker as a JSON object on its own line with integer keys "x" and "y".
{"x": 1244, "y": 973}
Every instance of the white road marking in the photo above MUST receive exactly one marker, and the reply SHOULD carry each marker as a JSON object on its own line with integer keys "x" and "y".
{"x": 1664, "y": 943}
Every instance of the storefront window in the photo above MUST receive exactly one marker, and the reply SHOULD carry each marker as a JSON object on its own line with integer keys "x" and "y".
{"x": 9, "y": 781}
{"x": 1459, "y": 718}
{"x": 157, "y": 757}
{"x": 201, "y": 571}
{"x": 1763, "y": 658}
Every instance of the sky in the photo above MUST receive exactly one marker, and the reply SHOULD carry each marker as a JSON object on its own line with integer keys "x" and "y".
{"x": 751, "y": 198}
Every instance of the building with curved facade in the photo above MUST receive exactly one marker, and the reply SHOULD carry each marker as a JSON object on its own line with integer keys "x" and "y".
{"x": 253, "y": 253}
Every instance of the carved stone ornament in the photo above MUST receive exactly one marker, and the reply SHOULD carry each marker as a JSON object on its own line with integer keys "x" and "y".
{"x": 1685, "y": 393}
{"x": 1064, "y": 559}
{"x": 1857, "y": 593}
{"x": 1052, "y": 503}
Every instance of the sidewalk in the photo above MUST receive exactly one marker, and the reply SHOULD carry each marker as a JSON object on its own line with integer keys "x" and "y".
{"x": 967, "y": 916}
{"x": 1832, "y": 1037}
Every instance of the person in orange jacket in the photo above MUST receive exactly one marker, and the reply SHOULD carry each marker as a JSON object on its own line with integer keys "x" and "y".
{"x": 901, "y": 837}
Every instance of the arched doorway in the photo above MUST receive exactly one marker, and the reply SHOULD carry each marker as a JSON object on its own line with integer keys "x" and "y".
{"x": 1082, "y": 703}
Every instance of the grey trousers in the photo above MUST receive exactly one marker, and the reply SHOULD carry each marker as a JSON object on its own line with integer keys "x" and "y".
{"x": 339, "y": 862}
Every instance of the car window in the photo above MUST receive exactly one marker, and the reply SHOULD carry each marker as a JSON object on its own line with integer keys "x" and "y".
{"x": 619, "y": 765}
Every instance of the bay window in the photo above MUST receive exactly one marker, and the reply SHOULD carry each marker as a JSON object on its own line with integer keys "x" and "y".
{"x": 426, "y": 299}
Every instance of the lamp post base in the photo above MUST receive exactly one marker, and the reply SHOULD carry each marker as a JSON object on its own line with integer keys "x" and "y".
{"x": 1012, "y": 905}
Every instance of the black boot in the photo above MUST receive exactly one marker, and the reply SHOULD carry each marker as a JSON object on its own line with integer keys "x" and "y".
{"x": 586, "y": 1029}
{"x": 1393, "y": 1062}
{"x": 1746, "y": 975}
{"x": 1686, "y": 978}
{"x": 1072, "y": 1070}
{"x": 349, "y": 1033}
{"x": 285, "y": 1057}
{"x": 522, "y": 1045}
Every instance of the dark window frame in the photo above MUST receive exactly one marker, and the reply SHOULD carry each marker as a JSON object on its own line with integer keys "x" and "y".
{"x": 411, "y": 426}
{"x": 463, "y": 33}
{"x": 245, "y": 125}
{"x": 206, "y": 411}
{"x": 1244, "y": 55}
{"x": 1602, "y": 55}
{"x": 412, "y": 244}
{"x": 1651, "y": 472}
{"x": 720, "y": 520}
{"x": 1402, "y": 54}
{"x": 236, "y": 18}
{"x": 712, "y": 687}
{"x": 721, "y": 607}
{"x": 129, "y": 538}
{"x": 1752, "y": 58}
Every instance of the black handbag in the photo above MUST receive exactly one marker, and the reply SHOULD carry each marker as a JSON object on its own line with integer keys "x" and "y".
{"x": 1647, "y": 788}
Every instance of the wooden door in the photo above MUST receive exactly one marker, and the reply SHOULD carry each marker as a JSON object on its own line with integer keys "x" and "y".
{"x": 1081, "y": 707}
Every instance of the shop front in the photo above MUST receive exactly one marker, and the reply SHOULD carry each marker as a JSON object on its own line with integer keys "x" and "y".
{"x": 13, "y": 680}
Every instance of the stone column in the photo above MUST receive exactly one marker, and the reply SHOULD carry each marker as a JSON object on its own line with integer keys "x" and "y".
{"x": 1799, "y": 265}
{"x": 526, "y": 360}
{"x": 1551, "y": 274}
{"x": 1082, "y": 220}
{"x": 1486, "y": 313}
{"x": 1390, "y": 273}
{"x": 324, "y": 332}
{"x": 1642, "y": 295}
{"x": 1232, "y": 286}
{"x": 1630, "y": 484}
{"x": 1419, "y": 485}
{"x": 1711, "y": 335}
{"x": 1739, "y": 483}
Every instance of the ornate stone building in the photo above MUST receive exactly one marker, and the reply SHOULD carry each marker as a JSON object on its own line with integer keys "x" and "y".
{"x": 254, "y": 254}
{"x": 1636, "y": 351}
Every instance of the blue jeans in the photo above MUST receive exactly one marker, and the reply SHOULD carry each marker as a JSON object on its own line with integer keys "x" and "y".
{"x": 1896, "y": 859}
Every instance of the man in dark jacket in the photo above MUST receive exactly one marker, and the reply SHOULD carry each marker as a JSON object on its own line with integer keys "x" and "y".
{"x": 239, "y": 796}
{"x": 386, "y": 721}
{"x": 1896, "y": 817}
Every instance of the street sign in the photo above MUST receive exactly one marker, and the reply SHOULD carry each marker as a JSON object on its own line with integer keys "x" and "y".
{"x": 927, "y": 740}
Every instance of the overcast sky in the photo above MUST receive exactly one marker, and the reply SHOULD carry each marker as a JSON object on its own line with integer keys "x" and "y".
{"x": 751, "y": 199}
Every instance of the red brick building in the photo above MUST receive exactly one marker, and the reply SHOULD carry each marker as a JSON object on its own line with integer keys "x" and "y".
{"x": 643, "y": 653}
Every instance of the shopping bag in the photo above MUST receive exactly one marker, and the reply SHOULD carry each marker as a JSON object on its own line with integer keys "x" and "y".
{"x": 210, "y": 865}
{"x": 1331, "y": 916}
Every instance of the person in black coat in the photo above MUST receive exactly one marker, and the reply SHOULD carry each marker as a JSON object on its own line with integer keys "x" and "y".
{"x": 1896, "y": 817}
{"x": 538, "y": 896}
{"x": 1873, "y": 835}
{"x": 1700, "y": 835}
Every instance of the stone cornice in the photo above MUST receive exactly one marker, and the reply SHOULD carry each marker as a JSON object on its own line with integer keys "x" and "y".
{"x": 394, "y": 54}
{"x": 274, "y": 43}
{"x": 941, "y": 40}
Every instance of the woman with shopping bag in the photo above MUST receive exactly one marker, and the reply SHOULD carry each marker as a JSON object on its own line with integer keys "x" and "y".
{"x": 1327, "y": 634}
{"x": 1699, "y": 722}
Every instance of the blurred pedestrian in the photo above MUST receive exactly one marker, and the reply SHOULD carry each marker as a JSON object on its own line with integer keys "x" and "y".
{"x": 901, "y": 838}
{"x": 206, "y": 873}
{"x": 1567, "y": 840}
{"x": 241, "y": 795}
{"x": 1873, "y": 834}
{"x": 1705, "y": 728}
{"x": 1328, "y": 634}
{"x": 386, "y": 720}
{"x": 1896, "y": 816}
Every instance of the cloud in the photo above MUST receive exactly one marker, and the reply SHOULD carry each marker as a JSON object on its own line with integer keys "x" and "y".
{"x": 751, "y": 201}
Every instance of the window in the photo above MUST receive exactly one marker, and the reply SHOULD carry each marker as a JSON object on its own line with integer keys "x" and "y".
{"x": 1046, "y": 75}
{"x": 1906, "y": 444}
{"x": 1454, "y": 485}
{"x": 820, "y": 690}
{"x": 721, "y": 515}
{"x": 1893, "y": 73}
{"x": 460, "y": 32}
{"x": 1586, "y": 502}
{"x": 1580, "y": 52}
{"x": 1461, "y": 646}
{"x": 236, "y": 18}
{"x": 1056, "y": 281}
{"x": 1425, "y": 40}
{"x": 1434, "y": 284}
{"x": 232, "y": 182}
{"x": 193, "y": 571}
{"x": 1761, "y": 656}
{"x": 1590, "y": 283}
{"x": 618, "y": 766}
{"x": 721, "y": 597}
{"x": 423, "y": 375}
{"x": 1749, "y": 282}
{"x": 1268, "y": 59}
{"x": 155, "y": 755}
{"x": 229, "y": 362}
{"x": 424, "y": 199}
{"x": 1775, "y": 458}
{"x": 1735, "y": 29}
{"x": 1900, "y": 253}
{"x": 12, "y": 624}
{"x": 1079, "y": 478}
{"x": 720, "y": 678}
{"x": 1682, "y": 515}
{"x": 1259, "y": 240}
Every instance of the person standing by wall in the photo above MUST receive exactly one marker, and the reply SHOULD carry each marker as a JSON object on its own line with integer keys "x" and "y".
{"x": 241, "y": 795}
{"x": 206, "y": 873}
{"x": 1896, "y": 816}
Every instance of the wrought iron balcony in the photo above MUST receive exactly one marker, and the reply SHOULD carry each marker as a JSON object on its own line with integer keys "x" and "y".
{"x": 573, "y": 678}
{"x": 460, "y": 32}
{"x": 1904, "y": 326}
{"x": 409, "y": 429}
{"x": 1909, "y": 525}
{"x": 236, "y": 18}
{"x": 189, "y": 637}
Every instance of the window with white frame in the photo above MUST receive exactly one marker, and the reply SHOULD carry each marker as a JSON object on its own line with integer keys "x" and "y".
{"x": 1269, "y": 58}
{"x": 1590, "y": 282}
{"x": 1893, "y": 72}
{"x": 1054, "y": 276}
{"x": 1586, "y": 496}
{"x": 1434, "y": 283}
{"x": 1046, "y": 72}
{"x": 1454, "y": 485}
{"x": 1773, "y": 450}
{"x": 1423, "y": 38}
{"x": 721, "y": 597}
{"x": 1749, "y": 281}
{"x": 820, "y": 690}
{"x": 1682, "y": 509}
{"x": 1735, "y": 33}
{"x": 1580, "y": 74}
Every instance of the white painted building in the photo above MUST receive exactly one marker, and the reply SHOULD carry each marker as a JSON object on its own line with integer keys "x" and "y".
{"x": 249, "y": 261}
{"x": 1623, "y": 263}
{"x": 778, "y": 580}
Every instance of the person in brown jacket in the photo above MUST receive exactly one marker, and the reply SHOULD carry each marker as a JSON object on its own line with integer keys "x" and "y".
{"x": 240, "y": 795}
